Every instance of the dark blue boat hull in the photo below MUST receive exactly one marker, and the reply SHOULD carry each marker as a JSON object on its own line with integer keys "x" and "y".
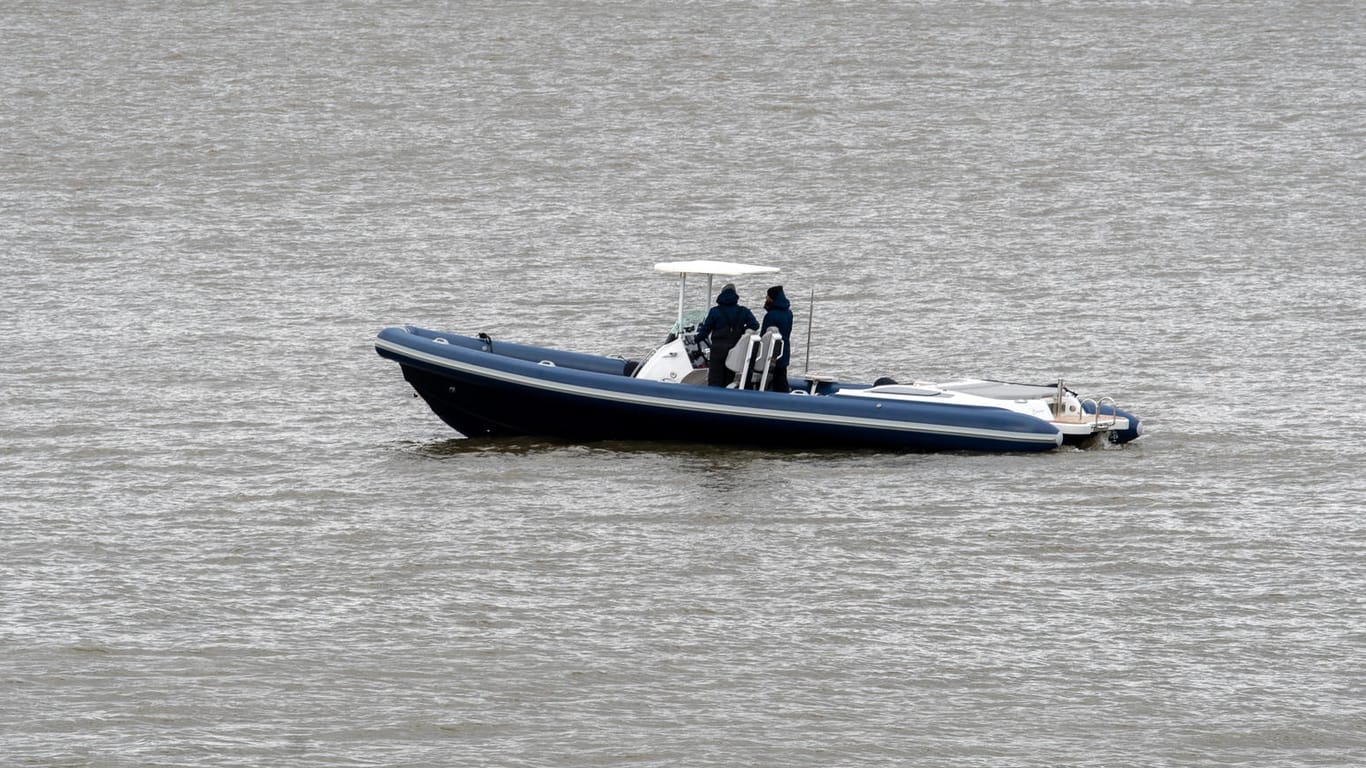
{"x": 493, "y": 388}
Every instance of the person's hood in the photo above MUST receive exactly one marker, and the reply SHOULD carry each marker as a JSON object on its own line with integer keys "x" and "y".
{"x": 778, "y": 298}
{"x": 728, "y": 297}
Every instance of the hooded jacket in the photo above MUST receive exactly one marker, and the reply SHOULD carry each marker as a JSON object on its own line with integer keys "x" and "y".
{"x": 727, "y": 320}
{"x": 779, "y": 315}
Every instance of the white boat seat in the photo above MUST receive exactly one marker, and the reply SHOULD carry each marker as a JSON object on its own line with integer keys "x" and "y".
{"x": 740, "y": 353}
{"x": 752, "y": 359}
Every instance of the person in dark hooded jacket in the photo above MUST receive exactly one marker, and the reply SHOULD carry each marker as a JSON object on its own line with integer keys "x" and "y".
{"x": 725, "y": 324}
{"x": 778, "y": 314}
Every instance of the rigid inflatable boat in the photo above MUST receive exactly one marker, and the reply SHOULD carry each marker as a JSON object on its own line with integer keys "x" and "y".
{"x": 482, "y": 386}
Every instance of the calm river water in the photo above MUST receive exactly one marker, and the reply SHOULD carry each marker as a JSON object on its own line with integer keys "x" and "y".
{"x": 230, "y": 536}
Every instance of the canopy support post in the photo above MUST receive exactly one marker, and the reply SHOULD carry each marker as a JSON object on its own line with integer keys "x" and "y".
{"x": 682, "y": 289}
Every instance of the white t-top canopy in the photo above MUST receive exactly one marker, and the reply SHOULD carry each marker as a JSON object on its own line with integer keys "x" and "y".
{"x": 709, "y": 267}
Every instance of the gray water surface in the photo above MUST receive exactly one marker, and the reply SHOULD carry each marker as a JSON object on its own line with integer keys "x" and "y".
{"x": 230, "y": 536}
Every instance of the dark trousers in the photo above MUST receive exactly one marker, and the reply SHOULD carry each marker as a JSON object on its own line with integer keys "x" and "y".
{"x": 718, "y": 375}
{"x": 777, "y": 379}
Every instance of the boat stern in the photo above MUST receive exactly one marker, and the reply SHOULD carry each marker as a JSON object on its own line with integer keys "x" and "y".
{"x": 1096, "y": 420}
